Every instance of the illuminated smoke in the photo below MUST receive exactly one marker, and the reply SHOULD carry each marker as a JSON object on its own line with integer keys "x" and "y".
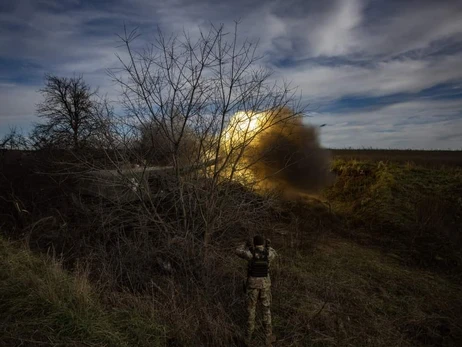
{"x": 282, "y": 151}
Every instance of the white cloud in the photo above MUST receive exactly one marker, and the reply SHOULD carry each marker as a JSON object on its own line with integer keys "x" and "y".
{"x": 413, "y": 27}
{"x": 321, "y": 83}
{"x": 18, "y": 106}
{"x": 335, "y": 34}
{"x": 426, "y": 124}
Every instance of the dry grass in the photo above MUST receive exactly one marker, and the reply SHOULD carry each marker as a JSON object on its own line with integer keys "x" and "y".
{"x": 43, "y": 305}
{"x": 410, "y": 210}
{"x": 343, "y": 294}
{"x": 375, "y": 265}
{"x": 433, "y": 159}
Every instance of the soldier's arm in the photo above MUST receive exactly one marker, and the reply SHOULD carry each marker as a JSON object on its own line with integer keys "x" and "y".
{"x": 272, "y": 254}
{"x": 243, "y": 252}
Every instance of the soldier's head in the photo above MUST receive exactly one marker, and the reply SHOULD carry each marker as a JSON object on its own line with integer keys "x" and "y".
{"x": 258, "y": 240}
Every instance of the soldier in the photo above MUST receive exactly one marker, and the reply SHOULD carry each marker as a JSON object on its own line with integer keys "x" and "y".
{"x": 258, "y": 285}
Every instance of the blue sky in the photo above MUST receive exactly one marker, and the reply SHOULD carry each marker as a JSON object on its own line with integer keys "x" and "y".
{"x": 382, "y": 74}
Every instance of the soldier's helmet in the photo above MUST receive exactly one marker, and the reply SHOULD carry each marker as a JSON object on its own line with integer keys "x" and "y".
{"x": 258, "y": 240}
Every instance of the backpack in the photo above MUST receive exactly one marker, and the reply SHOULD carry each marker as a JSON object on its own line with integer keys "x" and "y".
{"x": 259, "y": 265}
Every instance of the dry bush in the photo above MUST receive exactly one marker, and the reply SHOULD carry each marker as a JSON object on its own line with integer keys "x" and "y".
{"x": 157, "y": 149}
{"x": 195, "y": 286}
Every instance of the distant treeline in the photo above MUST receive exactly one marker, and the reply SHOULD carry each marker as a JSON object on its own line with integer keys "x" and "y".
{"x": 433, "y": 158}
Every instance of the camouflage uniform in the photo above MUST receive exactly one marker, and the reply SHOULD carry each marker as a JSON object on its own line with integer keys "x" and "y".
{"x": 258, "y": 288}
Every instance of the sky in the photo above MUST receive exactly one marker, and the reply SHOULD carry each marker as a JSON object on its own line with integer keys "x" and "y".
{"x": 378, "y": 73}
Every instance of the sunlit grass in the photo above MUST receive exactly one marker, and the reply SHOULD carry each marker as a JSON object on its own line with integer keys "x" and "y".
{"x": 41, "y": 304}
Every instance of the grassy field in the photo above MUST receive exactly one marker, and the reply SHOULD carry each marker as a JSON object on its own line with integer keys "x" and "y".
{"x": 344, "y": 294}
{"x": 419, "y": 157}
{"x": 410, "y": 209}
{"x": 375, "y": 260}
{"x": 41, "y": 304}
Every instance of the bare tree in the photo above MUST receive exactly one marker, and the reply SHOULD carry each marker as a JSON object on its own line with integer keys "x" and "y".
{"x": 69, "y": 110}
{"x": 15, "y": 139}
{"x": 200, "y": 104}
{"x": 155, "y": 147}
{"x": 209, "y": 88}
{"x": 179, "y": 84}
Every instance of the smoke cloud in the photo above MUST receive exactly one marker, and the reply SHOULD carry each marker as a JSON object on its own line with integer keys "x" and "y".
{"x": 288, "y": 156}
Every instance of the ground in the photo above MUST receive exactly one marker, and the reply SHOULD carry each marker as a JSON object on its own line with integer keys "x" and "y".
{"x": 374, "y": 260}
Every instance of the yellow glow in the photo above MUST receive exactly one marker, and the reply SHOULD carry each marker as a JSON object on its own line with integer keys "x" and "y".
{"x": 240, "y": 133}
{"x": 240, "y": 143}
{"x": 242, "y": 127}
{"x": 245, "y": 122}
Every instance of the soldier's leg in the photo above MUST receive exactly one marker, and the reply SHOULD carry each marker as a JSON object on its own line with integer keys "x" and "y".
{"x": 252, "y": 299}
{"x": 265, "y": 297}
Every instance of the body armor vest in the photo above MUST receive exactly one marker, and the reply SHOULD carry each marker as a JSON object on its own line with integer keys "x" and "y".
{"x": 259, "y": 265}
